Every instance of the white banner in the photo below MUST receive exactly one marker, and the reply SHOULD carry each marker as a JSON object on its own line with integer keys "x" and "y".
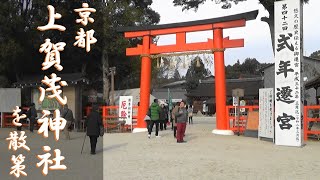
{"x": 266, "y": 115}
{"x": 288, "y": 53}
{"x": 125, "y": 109}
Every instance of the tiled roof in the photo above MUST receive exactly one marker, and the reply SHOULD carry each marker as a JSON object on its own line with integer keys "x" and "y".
{"x": 304, "y": 57}
{"x": 173, "y": 84}
{"x": 251, "y": 87}
{"x": 313, "y": 83}
{"x": 175, "y": 93}
{"x": 35, "y": 80}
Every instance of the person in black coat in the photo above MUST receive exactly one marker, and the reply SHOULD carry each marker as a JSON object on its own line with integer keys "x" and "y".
{"x": 32, "y": 115}
{"x": 22, "y": 120}
{"x": 67, "y": 114}
{"x": 93, "y": 123}
{"x": 163, "y": 117}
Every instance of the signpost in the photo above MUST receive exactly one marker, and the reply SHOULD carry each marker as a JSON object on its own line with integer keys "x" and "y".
{"x": 236, "y": 93}
{"x": 242, "y": 103}
{"x": 125, "y": 109}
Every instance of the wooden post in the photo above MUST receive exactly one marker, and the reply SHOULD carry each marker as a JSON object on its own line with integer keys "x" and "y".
{"x": 112, "y": 72}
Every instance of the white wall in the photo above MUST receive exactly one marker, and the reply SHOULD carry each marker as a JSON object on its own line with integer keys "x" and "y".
{"x": 69, "y": 92}
{"x": 9, "y": 98}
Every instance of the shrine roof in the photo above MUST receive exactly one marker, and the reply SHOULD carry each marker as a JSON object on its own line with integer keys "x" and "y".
{"x": 35, "y": 80}
{"x": 306, "y": 58}
{"x": 313, "y": 83}
{"x": 250, "y": 85}
{"x": 162, "y": 93}
{"x": 251, "y": 15}
{"x": 175, "y": 84}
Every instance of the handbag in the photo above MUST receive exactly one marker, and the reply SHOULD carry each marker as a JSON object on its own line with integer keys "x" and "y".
{"x": 101, "y": 130}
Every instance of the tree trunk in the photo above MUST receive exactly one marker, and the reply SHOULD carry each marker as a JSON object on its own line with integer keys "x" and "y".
{"x": 271, "y": 27}
{"x": 105, "y": 72}
{"x": 269, "y": 6}
{"x": 270, "y": 22}
{"x": 84, "y": 68}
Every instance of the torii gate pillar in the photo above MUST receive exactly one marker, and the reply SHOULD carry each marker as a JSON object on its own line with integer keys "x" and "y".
{"x": 220, "y": 85}
{"x": 144, "y": 85}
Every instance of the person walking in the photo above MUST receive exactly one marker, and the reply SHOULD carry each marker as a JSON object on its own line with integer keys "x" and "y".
{"x": 171, "y": 115}
{"x": 163, "y": 117}
{"x": 68, "y": 116}
{"x": 147, "y": 119}
{"x": 190, "y": 114}
{"x": 32, "y": 115}
{"x": 154, "y": 115}
{"x": 93, "y": 123}
{"x": 174, "y": 120}
{"x": 166, "y": 120}
{"x": 21, "y": 120}
{"x": 182, "y": 118}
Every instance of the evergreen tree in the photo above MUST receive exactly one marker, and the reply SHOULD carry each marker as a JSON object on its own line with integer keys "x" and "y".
{"x": 194, "y": 74}
{"x": 315, "y": 54}
{"x": 20, "y": 40}
{"x": 176, "y": 75}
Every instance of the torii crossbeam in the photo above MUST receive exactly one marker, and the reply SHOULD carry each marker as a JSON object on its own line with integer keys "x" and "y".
{"x": 217, "y": 45}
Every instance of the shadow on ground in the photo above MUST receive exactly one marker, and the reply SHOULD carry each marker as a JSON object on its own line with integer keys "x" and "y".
{"x": 113, "y": 147}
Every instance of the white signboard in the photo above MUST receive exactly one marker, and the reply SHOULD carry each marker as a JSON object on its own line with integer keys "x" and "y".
{"x": 173, "y": 100}
{"x": 288, "y": 52}
{"x": 9, "y": 99}
{"x": 266, "y": 115}
{"x": 242, "y": 103}
{"x": 235, "y": 101}
{"x": 125, "y": 109}
{"x": 176, "y": 100}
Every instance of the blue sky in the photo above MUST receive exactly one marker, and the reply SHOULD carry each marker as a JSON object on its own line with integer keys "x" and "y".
{"x": 256, "y": 33}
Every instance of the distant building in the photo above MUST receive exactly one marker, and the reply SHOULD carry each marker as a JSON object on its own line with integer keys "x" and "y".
{"x": 135, "y": 93}
{"x": 30, "y": 93}
{"x": 177, "y": 94}
{"x": 311, "y": 78}
{"x": 176, "y": 85}
{"x": 205, "y": 92}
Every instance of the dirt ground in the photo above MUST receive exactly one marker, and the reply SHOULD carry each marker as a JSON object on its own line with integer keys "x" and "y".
{"x": 79, "y": 166}
{"x": 126, "y": 156}
{"x": 206, "y": 156}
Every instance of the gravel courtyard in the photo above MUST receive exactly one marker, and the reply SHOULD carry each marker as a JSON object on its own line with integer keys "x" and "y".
{"x": 125, "y": 156}
{"x": 205, "y": 157}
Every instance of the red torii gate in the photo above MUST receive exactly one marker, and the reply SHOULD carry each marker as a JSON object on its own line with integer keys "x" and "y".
{"x": 217, "y": 45}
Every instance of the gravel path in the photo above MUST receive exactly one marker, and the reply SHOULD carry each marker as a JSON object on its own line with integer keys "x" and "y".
{"x": 79, "y": 167}
{"x": 206, "y": 156}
